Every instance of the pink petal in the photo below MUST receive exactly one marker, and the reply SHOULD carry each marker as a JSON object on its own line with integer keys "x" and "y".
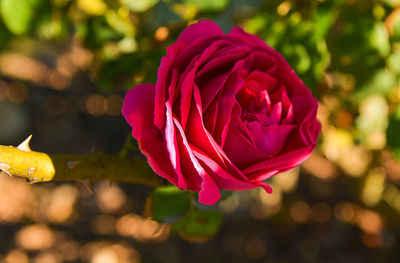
{"x": 188, "y": 82}
{"x": 265, "y": 80}
{"x": 226, "y": 104}
{"x": 172, "y": 147}
{"x": 265, "y": 62}
{"x": 197, "y": 135}
{"x": 240, "y": 150}
{"x": 288, "y": 78}
{"x": 163, "y": 79}
{"x": 223, "y": 62}
{"x": 249, "y": 39}
{"x": 281, "y": 162}
{"x": 266, "y": 187}
{"x": 209, "y": 192}
{"x": 203, "y": 28}
{"x": 223, "y": 66}
{"x": 210, "y": 114}
{"x": 287, "y": 106}
{"x": 315, "y": 130}
{"x": 305, "y": 111}
{"x": 211, "y": 95}
{"x": 196, "y": 132}
{"x": 224, "y": 179}
{"x": 270, "y": 139}
{"x": 191, "y": 168}
{"x": 138, "y": 111}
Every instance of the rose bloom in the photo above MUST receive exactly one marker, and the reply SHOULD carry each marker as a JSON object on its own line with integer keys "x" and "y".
{"x": 227, "y": 112}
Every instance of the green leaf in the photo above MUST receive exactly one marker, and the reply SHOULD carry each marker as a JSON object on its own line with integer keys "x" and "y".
{"x": 300, "y": 56}
{"x": 120, "y": 24}
{"x": 208, "y": 5}
{"x": 255, "y": 24}
{"x": 99, "y": 32}
{"x": 381, "y": 81}
{"x": 324, "y": 18}
{"x": 139, "y": 5}
{"x": 392, "y": 133}
{"x": 392, "y": 3}
{"x": 168, "y": 203}
{"x": 5, "y": 35}
{"x": 198, "y": 225}
{"x": 396, "y": 29}
{"x": 394, "y": 62}
{"x": 18, "y": 15}
{"x": 379, "y": 39}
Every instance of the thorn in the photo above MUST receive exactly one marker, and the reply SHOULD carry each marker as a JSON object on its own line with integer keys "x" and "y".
{"x": 72, "y": 164}
{"x": 4, "y": 167}
{"x": 88, "y": 185}
{"x": 24, "y": 146}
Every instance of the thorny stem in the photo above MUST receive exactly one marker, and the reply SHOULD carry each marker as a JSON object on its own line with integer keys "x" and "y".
{"x": 41, "y": 167}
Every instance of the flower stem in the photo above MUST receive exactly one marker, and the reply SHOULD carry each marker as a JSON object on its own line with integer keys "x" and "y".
{"x": 41, "y": 167}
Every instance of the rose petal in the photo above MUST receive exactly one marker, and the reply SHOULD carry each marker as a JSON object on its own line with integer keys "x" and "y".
{"x": 315, "y": 130}
{"x": 226, "y": 103}
{"x": 163, "y": 78}
{"x": 279, "y": 163}
{"x": 287, "y": 107}
{"x": 305, "y": 111}
{"x": 239, "y": 34}
{"x": 240, "y": 150}
{"x": 138, "y": 111}
{"x": 213, "y": 105}
{"x": 209, "y": 192}
{"x": 287, "y": 78}
{"x": 202, "y": 139}
{"x": 196, "y": 132}
{"x": 204, "y": 28}
{"x": 270, "y": 139}
{"x": 172, "y": 147}
{"x": 220, "y": 66}
{"x": 224, "y": 179}
{"x": 264, "y": 62}
{"x": 191, "y": 168}
{"x": 210, "y": 115}
{"x": 188, "y": 82}
{"x": 265, "y": 80}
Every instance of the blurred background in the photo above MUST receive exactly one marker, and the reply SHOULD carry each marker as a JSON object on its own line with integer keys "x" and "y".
{"x": 65, "y": 66}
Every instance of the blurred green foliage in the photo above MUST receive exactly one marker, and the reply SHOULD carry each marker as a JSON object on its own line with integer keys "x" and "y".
{"x": 167, "y": 204}
{"x": 393, "y": 136}
{"x": 192, "y": 220}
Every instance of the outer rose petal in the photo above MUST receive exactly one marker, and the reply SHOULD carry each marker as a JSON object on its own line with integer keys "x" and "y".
{"x": 200, "y": 29}
{"x": 138, "y": 111}
{"x": 209, "y": 192}
{"x": 163, "y": 74}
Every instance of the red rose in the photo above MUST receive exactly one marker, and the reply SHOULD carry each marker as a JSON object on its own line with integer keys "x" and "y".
{"x": 227, "y": 112}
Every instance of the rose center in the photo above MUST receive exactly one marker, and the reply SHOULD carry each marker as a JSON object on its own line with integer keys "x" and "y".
{"x": 263, "y": 102}
{"x": 253, "y": 98}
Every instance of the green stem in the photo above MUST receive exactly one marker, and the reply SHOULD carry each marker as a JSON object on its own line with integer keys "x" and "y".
{"x": 41, "y": 167}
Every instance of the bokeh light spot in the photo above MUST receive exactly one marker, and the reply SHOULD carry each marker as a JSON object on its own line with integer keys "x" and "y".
{"x": 299, "y": 211}
{"x": 35, "y": 237}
